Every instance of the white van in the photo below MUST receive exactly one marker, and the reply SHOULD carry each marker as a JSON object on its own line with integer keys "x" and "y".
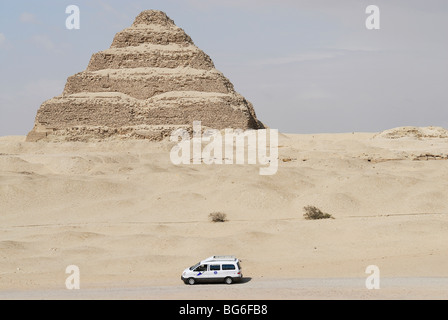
{"x": 225, "y": 269}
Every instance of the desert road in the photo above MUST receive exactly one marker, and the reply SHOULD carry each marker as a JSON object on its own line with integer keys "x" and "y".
{"x": 268, "y": 289}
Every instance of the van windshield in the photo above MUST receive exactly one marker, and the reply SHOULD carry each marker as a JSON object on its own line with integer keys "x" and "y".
{"x": 195, "y": 266}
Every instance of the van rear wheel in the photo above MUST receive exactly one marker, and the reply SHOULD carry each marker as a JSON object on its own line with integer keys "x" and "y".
{"x": 228, "y": 280}
{"x": 191, "y": 281}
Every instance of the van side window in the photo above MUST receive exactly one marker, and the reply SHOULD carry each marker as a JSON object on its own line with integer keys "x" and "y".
{"x": 228, "y": 267}
{"x": 201, "y": 268}
{"x": 215, "y": 267}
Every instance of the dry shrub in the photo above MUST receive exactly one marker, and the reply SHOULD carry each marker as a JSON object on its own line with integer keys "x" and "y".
{"x": 218, "y": 217}
{"x": 313, "y": 213}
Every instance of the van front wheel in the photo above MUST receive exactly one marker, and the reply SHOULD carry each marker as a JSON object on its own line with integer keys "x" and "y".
{"x": 228, "y": 280}
{"x": 191, "y": 281}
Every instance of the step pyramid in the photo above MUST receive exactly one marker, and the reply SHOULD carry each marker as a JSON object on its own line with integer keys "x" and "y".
{"x": 152, "y": 80}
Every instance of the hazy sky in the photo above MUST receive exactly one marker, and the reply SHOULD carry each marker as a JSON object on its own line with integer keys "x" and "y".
{"x": 307, "y": 66}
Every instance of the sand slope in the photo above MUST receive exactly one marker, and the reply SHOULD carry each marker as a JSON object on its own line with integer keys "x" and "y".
{"x": 123, "y": 213}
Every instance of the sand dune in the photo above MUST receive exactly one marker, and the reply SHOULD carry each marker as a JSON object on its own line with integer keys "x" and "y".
{"x": 123, "y": 213}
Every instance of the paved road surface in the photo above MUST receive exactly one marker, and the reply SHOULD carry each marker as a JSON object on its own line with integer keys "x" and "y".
{"x": 270, "y": 289}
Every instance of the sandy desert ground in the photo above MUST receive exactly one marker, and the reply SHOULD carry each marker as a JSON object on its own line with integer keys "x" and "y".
{"x": 130, "y": 219}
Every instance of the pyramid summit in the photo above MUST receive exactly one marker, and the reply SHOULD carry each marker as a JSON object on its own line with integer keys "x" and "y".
{"x": 153, "y": 17}
{"x": 151, "y": 81}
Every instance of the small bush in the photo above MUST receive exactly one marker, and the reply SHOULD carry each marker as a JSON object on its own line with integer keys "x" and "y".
{"x": 313, "y": 213}
{"x": 218, "y": 217}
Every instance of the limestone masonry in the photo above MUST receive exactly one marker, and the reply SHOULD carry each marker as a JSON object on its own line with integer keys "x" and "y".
{"x": 152, "y": 80}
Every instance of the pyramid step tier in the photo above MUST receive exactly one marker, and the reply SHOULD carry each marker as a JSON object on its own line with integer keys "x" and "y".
{"x": 143, "y": 83}
{"x": 136, "y": 36}
{"x": 151, "y": 56}
{"x": 115, "y": 110}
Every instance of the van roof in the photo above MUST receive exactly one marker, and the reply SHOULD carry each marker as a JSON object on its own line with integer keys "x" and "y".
{"x": 220, "y": 258}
